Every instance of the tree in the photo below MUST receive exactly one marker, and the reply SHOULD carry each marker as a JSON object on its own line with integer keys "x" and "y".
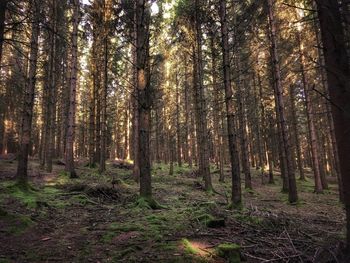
{"x": 285, "y": 144}
{"x": 235, "y": 171}
{"x": 72, "y": 98}
{"x": 337, "y": 68}
{"x": 27, "y": 114}
{"x": 144, "y": 95}
{"x": 3, "y": 5}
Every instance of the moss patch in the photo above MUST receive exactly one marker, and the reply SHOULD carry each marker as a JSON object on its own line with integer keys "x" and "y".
{"x": 229, "y": 251}
{"x": 188, "y": 248}
{"x": 15, "y": 224}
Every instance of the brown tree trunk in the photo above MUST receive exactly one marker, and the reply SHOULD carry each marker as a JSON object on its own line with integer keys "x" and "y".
{"x": 337, "y": 67}
{"x": 178, "y": 129}
{"x": 3, "y": 5}
{"x": 144, "y": 96}
{"x": 72, "y": 98}
{"x": 311, "y": 124}
{"x": 285, "y": 146}
{"x": 102, "y": 167}
{"x": 92, "y": 114}
{"x": 135, "y": 100}
{"x": 243, "y": 135}
{"x": 218, "y": 147}
{"x": 203, "y": 140}
{"x": 186, "y": 151}
{"x": 236, "y": 178}
{"x": 296, "y": 133}
{"x": 27, "y": 115}
{"x": 51, "y": 90}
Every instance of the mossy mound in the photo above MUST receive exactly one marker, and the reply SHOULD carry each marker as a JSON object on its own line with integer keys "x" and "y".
{"x": 15, "y": 224}
{"x": 210, "y": 221}
{"x": 148, "y": 203}
{"x": 188, "y": 248}
{"x": 229, "y": 251}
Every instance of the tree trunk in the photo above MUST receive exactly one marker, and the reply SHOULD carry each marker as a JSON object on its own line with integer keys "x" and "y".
{"x": 203, "y": 142}
{"x": 296, "y": 133}
{"x": 72, "y": 98}
{"x": 187, "y": 156}
{"x": 144, "y": 96}
{"x": 236, "y": 178}
{"x": 135, "y": 100}
{"x": 285, "y": 144}
{"x": 27, "y": 115}
{"x": 3, "y": 5}
{"x": 103, "y": 138}
{"x": 242, "y": 128}
{"x": 178, "y": 129}
{"x": 337, "y": 67}
{"x": 216, "y": 111}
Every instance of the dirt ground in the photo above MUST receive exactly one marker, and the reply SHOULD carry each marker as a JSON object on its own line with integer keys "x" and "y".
{"x": 101, "y": 219}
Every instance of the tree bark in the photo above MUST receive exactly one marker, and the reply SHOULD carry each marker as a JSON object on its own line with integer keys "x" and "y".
{"x": 337, "y": 67}
{"x": 218, "y": 147}
{"x": 135, "y": 100}
{"x": 203, "y": 140}
{"x": 72, "y": 100}
{"x": 27, "y": 114}
{"x": 3, "y": 5}
{"x": 144, "y": 96}
{"x": 103, "y": 138}
{"x": 296, "y": 133}
{"x": 285, "y": 146}
{"x": 178, "y": 129}
{"x": 235, "y": 171}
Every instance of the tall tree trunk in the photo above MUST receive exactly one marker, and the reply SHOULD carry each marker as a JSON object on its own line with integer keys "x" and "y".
{"x": 72, "y": 98}
{"x": 178, "y": 129}
{"x": 285, "y": 146}
{"x": 337, "y": 67}
{"x": 136, "y": 167}
{"x": 296, "y": 133}
{"x": 203, "y": 145}
{"x": 235, "y": 171}
{"x": 216, "y": 111}
{"x": 52, "y": 90}
{"x": 311, "y": 124}
{"x": 242, "y": 128}
{"x": 144, "y": 96}
{"x": 27, "y": 115}
{"x": 92, "y": 115}
{"x": 335, "y": 157}
{"x": 3, "y": 5}
{"x": 187, "y": 115}
{"x": 103, "y": 138}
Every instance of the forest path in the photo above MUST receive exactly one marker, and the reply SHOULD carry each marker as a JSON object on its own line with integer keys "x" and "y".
{"x": 86, "y": 220}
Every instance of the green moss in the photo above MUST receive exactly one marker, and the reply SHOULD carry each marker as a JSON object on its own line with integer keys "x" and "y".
{"x": 188, "y": 248}
{"x": 229, "y": 251}
{"x": 81, "y": 199}
{"x": 122, "y": 253}
{"x": 237, "y": 207}
{"x": 248, "y": 219}
{"x": 251, "y": 191}
{"x": 148, "y": 203}
{"x": 172, "y": 246}
{"x": 15, "y": 224}
{"x": 108, "y": 236}
{"x": 204, "y": 218}
{"x": 126, "y": 227}
{"x": 28, "y": 197}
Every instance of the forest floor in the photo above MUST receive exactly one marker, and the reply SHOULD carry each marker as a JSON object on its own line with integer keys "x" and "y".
{"x": 89, "y": 220}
